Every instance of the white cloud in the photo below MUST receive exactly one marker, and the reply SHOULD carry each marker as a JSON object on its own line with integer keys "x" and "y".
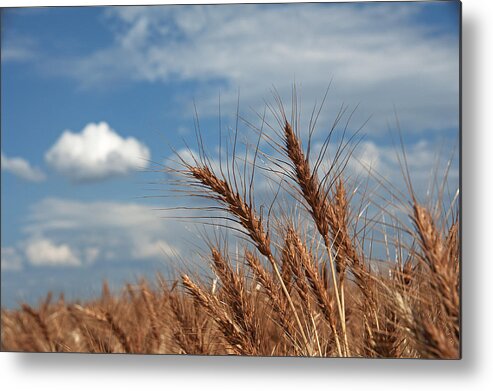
{"x": 11, "y": 259}
{"x": 43, "y": 252}
{"x": 102, "y": 231}
{"x": 21, "y": 168}
{"x": 96, "y": 153}
{"x": 377, "y": 53}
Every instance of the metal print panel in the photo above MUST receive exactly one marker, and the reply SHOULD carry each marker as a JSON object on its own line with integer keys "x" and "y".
{"x": 261, "y": 179}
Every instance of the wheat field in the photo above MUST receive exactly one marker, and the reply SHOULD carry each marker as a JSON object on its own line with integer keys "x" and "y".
{"x": 303, "y": 280}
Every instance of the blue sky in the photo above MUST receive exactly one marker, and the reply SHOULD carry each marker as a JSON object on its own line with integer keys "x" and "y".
{"x": 91, "y": 94}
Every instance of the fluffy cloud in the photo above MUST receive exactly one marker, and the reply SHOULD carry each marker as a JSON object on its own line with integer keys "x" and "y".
{"x": 378, "y": 55}
{"x": 98, "y": 232}
{"x": 21, "y": 168}
{"x": 96, "y": 153}
{"x": 43, "y": 252}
